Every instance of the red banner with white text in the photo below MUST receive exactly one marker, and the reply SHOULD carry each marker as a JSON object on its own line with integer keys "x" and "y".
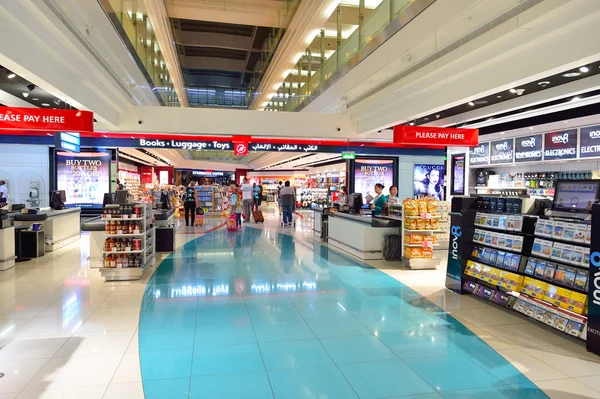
{"x": 439, "y": 136}
{"x": 50, "y": 120}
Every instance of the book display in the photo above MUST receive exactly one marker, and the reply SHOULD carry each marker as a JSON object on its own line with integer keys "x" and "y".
{"x": 535, "y": 265}
{"x": 129, "y": 244}
{"x": 131, "y": 182}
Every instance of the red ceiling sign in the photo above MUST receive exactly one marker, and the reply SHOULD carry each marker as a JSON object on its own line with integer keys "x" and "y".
{"x": 442, "y": 136}
{"x": 54, "y": 120}
{"x": 240, "y": 145}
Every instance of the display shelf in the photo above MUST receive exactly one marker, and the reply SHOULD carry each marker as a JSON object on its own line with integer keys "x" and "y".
{"x": 121, "y": 217}
{"x": 562, "y": 262}
{"x": 121, "y": 265}
{"x": 501, "y": 230}
{"x": 423, "y": 231}
{"x": 570, "y": 242}
{"x": 421, "y": 263}
{"x": 421, "y": 245}
{"x": 122, "y": 252}
{"x": 498, "y": 247}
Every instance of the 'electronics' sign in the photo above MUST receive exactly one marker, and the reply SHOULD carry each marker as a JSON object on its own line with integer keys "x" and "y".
{"x": 589, "y": 142}
{"x": 528, "y": 149}
{"x": 560, "y": 145}
{"x": 502, "y": 151}
{"x": 479, "y": 155}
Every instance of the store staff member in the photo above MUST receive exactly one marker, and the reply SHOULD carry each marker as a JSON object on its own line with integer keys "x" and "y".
{"x": 378, "y": 202}
{"x": 3, "y": 194}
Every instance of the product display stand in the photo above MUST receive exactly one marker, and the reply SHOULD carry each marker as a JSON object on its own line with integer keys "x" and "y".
{"x": 129, "y": 246}
{"x": 420, "y": 239}
{"x": 538, "y": 266}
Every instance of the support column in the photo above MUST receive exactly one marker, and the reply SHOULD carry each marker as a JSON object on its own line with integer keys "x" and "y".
{"x": 361, "y": 18}
{"x": 322, "y": 44}
{"x": 339, "y": 35}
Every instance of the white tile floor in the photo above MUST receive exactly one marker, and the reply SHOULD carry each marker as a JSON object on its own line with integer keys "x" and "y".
{"x": 66, "y": 334}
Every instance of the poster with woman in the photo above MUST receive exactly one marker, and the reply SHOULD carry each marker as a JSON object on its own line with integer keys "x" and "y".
{"x": 429, "y": 181}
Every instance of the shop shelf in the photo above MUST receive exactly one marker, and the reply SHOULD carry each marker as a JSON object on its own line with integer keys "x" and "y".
{"x": 562, "y": 262}
{"x": 125, "y": 235}
{"x": 122, "y": 252}
{"x": 577, "y": 243}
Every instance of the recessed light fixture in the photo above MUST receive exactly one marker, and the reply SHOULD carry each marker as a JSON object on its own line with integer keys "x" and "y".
{"x": 34, "y": 98}
{"x": 412, "y": 123}
{"x": 566, "y": 121}
{"x": 45, "y": 104}
{"x": 513, "y": 91}
{"x": 25, "y": 95}
{"x": 575, "y": 99}
{"x": 471, "y": 103}
{"x": 11, "y": 75}
{"x": 530, "y": 128}
{"x": 571, "y": 74}
{"x": 501, "y": 132}
{"x": 498, "y": 96}
{"x": 584, "y": 69}
{"x": 544, "y": 83}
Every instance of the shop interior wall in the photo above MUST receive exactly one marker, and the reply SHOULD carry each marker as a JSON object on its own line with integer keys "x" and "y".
{"x": 21, "y": 164}
{"x": 338, "y": 167}
{"x": 127, "y": 166}
{"x": 406, "y": 172}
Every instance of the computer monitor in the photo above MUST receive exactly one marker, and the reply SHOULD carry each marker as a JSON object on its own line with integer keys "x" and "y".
{"x": 355, "y": 202}
{"x": 576, "y": 196}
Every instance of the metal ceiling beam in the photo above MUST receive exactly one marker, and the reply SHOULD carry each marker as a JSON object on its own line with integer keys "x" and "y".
{"x": 219, "y": 40}
{"x": 215, "y": 63}
{"x": 267, "y": 13}
{"x": 248, "y": 56}
{"x": 157, "y": 12}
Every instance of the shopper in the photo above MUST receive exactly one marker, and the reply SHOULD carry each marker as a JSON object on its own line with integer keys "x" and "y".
{"x": 247, "y": 199}
{"x": 288, "y": 202}
{"x": 279, "y": 187}
{"x": 379, "y": 201}
{"x": 260, "y": 194}
{"x": 190, "y": 200}
{"x": 256, "y": 195}
{"x": 3, "y": 194}
{"x": 236, "y": 207}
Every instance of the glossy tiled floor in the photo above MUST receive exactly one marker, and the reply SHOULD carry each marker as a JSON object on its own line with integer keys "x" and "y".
{"x": 269, "y": 314}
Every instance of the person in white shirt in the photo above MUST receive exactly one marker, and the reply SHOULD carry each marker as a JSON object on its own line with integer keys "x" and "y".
{"x": 247, "y": 201}
{"x": 3, "y": 194}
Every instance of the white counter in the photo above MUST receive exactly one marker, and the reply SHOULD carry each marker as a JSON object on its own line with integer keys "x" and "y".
{"x": 63, "y": 226}
{"x": 7, "y": 248}
{"x": 355, "y": 235}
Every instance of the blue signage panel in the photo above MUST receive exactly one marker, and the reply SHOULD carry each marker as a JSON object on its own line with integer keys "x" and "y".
{"x": 67, "y": 141}
{"x": 528, "y": 149}
{"x": 560, "y": 145}
{"x": 479, "y": 155}
{"x": 589, "y": 142}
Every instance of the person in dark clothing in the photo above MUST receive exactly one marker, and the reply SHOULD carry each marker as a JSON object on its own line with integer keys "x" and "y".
{"x": 190, "y": 201}
{"x": 288, "y": 201}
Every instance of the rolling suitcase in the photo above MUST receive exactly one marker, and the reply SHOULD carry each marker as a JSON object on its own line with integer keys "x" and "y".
{"x": 258, "y": 217}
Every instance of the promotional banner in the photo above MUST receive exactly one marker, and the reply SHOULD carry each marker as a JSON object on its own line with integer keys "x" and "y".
{"x": 438, "y": 136}
{"x": 53, "y": 120}
{"x": 368, "y": 172}
{"x": 560, "y": 145}
{"x": 146, "y": 174}
{"x": 285, "y": 147}
{"x": 502, "y": 151}
{"x": 479, "y": 155}
{"x": 430, "y": 181}
{"x": 84, "y": 177}
{"x": 589, "y": 142}
{"x": 185, "y": 144}
{"x": 458, "y": 174}
{"x": 528, "y": 149}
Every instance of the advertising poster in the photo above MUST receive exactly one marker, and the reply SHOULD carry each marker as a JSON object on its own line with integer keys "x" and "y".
{"x": 429, "y": 181}
{"x": 589, "y": 142}
{"x": 560, "y": 145}
{"x": 502, "y": 151}
{"x": 84, "y": 177}
{"x": 528, "y": 149}
{"x": 458, "y": 174}
{"x": 479, "y": 155}
{"x": 368, "y": 172}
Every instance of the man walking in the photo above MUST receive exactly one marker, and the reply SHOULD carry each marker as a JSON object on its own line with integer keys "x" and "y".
{"x": 288, "y": 201}
{"x": 247, "y": 191}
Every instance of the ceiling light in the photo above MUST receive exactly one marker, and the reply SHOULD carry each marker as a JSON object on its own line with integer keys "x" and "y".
{"x": 498, "y": 96}
{"x": 544, "y": 83}
{"x": 575, "y": 99}
{"x": 45, "y": 104}
{"x": 513, "y": 91}
{"x": 25, "y": 95}
{"x": 501, "y": 132}
{"x": 530, "y": 128}
{"x": 571, "y": 74}
{"x": 584, "y": 69}
{"x": 471, "y": 103}
{"x": 11, "y": 75}
{"x": 34, "y": 98}
{"x": 412, "y": 123}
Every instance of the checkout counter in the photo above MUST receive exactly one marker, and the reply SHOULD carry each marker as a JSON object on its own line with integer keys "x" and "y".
{"x": 361, "y": 236}
{"x": 63, "y": 226}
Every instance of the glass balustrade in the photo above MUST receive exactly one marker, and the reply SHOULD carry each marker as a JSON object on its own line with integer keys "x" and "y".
{"x": 377, "y": 20}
